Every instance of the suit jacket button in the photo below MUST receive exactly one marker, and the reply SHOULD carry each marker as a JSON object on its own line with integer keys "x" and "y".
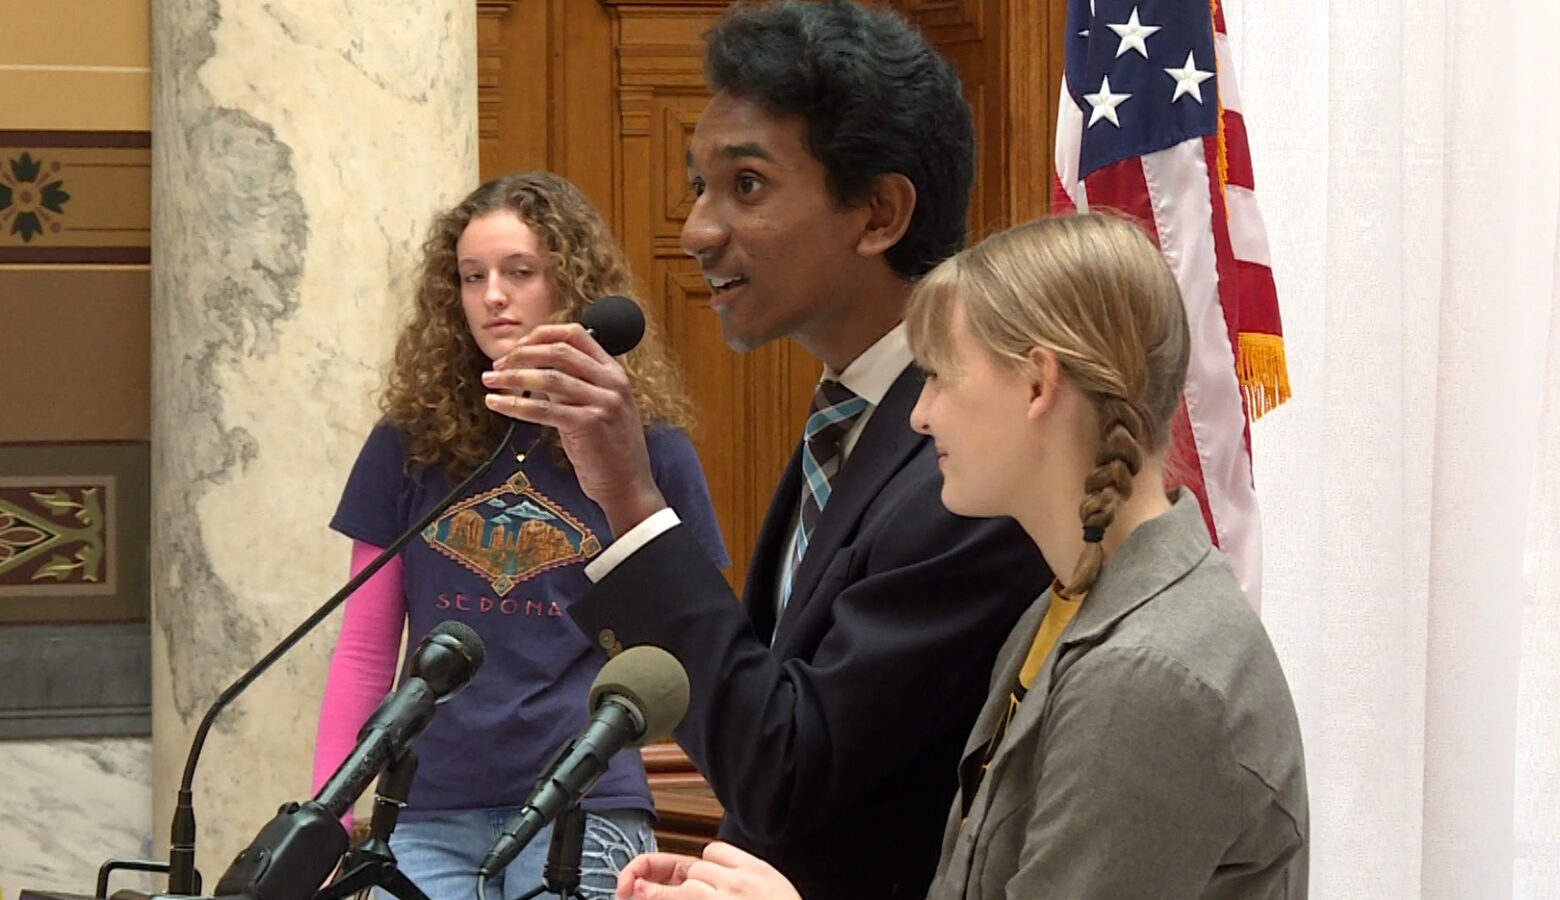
{"x": 609, "y": 642}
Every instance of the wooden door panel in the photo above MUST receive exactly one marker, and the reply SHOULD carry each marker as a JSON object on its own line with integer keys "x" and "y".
{"x": 715, "y": 378}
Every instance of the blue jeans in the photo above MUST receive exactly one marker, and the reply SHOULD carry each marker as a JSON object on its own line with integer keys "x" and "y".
{"x": 441, "y": 855}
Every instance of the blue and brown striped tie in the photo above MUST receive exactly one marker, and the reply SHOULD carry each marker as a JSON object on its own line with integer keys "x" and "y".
{"x": 834, "y": 410}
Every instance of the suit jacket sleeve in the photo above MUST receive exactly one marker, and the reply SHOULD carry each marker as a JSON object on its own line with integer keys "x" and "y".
{"x": 920, "y": 601}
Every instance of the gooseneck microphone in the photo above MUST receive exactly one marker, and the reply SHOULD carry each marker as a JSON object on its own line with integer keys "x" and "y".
{"x": 618, "y": 324}
{"x": 295, "y": 852}
{"x": 638, "y": 698}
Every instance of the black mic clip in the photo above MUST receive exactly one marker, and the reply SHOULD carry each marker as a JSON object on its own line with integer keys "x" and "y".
{"x": 561, "y": 872}
{"x": 371, "y": 863}
{"x": 573, "y": 770}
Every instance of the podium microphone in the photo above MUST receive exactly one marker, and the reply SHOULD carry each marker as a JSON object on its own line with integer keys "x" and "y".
{"x": 295, "y": 852}
{"x": 638, "y": 698}
{"x": 444, "y": 662}
{"x": 618, "y": 324}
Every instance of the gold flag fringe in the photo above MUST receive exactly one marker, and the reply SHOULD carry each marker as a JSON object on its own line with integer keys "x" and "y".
{"x": 1262, "y": 372}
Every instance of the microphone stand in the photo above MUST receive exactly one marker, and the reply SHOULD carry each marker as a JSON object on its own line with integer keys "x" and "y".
{"x": 561, "y": 872}
{"x": 371, "y": 863}
{"x": 183, "y": 878}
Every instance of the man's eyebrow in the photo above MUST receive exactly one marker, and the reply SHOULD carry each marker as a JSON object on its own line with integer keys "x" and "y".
{"x": 733, "y": 152}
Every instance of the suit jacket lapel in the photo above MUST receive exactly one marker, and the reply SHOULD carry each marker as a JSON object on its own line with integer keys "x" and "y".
{"x": 774, "y": 540}
{"x": 885, "y": 445}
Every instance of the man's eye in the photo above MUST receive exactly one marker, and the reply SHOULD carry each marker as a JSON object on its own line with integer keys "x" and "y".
{"x": 747, "y": 184}
{"x": 698, "y": 187}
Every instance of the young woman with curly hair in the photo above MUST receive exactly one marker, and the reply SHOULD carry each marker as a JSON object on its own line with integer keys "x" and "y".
{"x": 508, "y": 557}
{"x": 1138, "y": 738}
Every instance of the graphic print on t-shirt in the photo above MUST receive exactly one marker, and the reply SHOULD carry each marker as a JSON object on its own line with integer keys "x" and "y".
{"x": 511, "y": 534}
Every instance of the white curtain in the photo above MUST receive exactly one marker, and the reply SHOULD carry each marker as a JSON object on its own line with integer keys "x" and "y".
{"x": 1407, "y": 160}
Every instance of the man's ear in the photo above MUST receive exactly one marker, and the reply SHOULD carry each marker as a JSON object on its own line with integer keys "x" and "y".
{"x": 889, "y": 208}
{"x": 1044, "y": 372}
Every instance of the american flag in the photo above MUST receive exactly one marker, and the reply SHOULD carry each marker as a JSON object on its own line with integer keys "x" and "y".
{"x": 1150, "y": 124}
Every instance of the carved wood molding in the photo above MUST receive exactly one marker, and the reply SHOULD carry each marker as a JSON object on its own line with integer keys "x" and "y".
{"x": 945, "y": 21}
{"x": 634, "y": 104}
{"x": 490, "y": 64}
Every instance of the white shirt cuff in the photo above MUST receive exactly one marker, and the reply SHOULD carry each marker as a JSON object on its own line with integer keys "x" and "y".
{"x": 656, "y": 524}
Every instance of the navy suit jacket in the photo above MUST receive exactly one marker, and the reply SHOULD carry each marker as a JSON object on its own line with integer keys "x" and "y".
{"x": 835, "y": 752}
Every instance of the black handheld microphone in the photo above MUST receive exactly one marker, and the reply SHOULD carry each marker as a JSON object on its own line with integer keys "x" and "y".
{"x": 639, "y": 697}
{"x": 443, "y": 663}
{"x": 617, "y": 323}
{"x": 295, "y": 852}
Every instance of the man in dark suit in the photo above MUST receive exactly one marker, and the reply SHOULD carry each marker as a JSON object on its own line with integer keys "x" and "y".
{"x": 832, "y": 167}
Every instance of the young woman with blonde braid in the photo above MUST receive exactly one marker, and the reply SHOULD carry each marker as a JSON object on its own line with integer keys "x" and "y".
{"x": 1139, "y": 739}
{"x": 507, "y": 558}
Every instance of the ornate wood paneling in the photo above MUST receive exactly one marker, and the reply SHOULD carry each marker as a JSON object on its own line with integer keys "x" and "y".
{"x": 490, "y": 69}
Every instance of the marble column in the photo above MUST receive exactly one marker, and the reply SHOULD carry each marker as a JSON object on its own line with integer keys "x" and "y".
{"x": 299, "y": 150}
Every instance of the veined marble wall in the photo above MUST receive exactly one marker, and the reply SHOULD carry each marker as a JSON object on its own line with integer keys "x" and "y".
{"x": 299, "y": 150}
{"x": 66, "y": 806}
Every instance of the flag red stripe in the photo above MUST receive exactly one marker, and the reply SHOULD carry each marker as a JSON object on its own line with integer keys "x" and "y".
{"x": 1237, "y": 153}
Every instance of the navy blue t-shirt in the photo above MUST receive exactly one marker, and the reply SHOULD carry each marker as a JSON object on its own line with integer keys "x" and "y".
{"x": 507, "y": 559}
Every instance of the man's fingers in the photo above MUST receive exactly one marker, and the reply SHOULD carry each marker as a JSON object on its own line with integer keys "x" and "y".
{"x": 558, "y": 339}
{"x": 553, "y": 355}
{"x": 648, "y": 875}
{"x": 570, "y": 375}
{"x": 542, "y": 409}
{"x": 536, "y": 381}
{"x": 688, "y": 890}
{"x": 564, "y": 388}
{"x": 725, "y": 854}
{"x": 736, "y": 873}
{"x": 666, "y": 868}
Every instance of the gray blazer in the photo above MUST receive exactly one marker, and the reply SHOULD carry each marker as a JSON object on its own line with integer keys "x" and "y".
{"x": 1157, "y": 753}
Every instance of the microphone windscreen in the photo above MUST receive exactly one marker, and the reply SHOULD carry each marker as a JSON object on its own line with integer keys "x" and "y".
{"x": 447, "y": 658}
{"x": 653, "y": 680}
{"x": 467, "y": 637}
{"x": 616, "y": 322}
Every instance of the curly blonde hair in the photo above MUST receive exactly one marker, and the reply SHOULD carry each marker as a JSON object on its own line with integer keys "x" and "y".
{"x": 1093, "y": 290}
{"x": 435, "y": 390}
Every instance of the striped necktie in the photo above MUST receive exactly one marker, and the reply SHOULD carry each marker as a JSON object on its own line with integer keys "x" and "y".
{"x": 835, "y": 409}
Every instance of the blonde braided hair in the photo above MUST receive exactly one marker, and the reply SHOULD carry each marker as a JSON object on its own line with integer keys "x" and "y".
{"x": 1093, "y": 290}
